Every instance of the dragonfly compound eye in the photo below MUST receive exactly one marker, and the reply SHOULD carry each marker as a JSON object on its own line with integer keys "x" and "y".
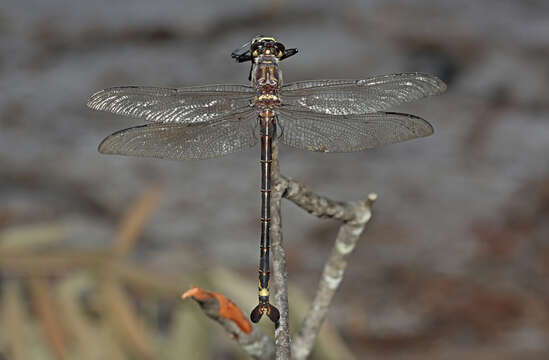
{"x": 254, "y": 48}
{"x": 279, "y": 49}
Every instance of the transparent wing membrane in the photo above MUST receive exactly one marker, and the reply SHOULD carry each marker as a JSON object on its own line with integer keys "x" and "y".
{"x": 185, "y": 105}
{"x": 179, "y": 141}
{"x": 323, "y": 115}
{"x": 346, "y": 97}
{"x": 348, "y": 133}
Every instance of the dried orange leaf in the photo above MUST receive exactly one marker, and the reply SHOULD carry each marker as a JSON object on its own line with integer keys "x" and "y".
{"x": 227, "y": 309}
{"x": 197, "y": 294}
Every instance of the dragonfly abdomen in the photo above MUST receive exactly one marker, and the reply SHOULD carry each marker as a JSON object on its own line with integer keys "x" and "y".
{"x": 267, "y": 128}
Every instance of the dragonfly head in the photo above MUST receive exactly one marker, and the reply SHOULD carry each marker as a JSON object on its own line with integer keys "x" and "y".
{"x": 262, "y": 46}
{"x": 267, "y": 47}
{"x": 262, "y": 50}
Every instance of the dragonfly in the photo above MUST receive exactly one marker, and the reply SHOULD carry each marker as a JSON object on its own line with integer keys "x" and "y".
{"x": 201, "y": 122}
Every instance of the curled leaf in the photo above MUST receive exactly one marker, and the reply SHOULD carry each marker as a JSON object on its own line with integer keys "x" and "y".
{"x": 218, "y": 305}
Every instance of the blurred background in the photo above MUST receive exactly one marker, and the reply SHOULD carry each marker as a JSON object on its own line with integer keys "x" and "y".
{"x": 95, "y": 250}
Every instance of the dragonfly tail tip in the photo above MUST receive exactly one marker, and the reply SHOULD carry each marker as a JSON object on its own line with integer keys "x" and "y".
{"x": 271, "y": 311}
{"x": 257, "y": 313}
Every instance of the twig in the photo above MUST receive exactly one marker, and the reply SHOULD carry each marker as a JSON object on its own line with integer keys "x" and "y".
{"x": 89, "y": 338}
{"x": 228, "y": 315}
{"x": 48, "y": 315}
{"x": 134, "y": 221}
{"x": 317, "y": 205}
{"x": 123, "y": 318}
{"x": 13, "y": 319}
{"x": 52, "y": 261}
{"x": 280, "y": 273}
{"x": 347, "y": 237}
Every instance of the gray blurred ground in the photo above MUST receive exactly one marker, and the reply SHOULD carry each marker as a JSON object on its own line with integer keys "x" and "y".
{"x": 456, "y": 261}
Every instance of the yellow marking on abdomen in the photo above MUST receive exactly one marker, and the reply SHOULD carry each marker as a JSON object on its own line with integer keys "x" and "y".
{"x": 264, "y": 292}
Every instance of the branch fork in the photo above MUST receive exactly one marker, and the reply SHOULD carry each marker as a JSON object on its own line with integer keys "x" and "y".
{"x": 354, "y": 216}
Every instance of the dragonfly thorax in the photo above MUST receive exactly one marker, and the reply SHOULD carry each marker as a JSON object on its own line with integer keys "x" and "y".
{"x": 266, "y": 75}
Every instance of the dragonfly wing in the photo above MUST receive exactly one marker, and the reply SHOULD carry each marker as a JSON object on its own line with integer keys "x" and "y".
{"x": 348, "y": 133}
{"x": 346, "y": 97}
{"x": 183, "y": 141}
{"x": 184, "y": 105}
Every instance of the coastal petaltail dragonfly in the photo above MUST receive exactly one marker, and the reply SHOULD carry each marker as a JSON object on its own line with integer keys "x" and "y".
{"x": 201, "y": 122}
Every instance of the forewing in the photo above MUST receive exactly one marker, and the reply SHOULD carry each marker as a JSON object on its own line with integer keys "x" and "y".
{"x": 185, "y": 105}
{"x": 181, "y": 141}
{"x": 348, "y": 133}
{"x": 346, "y": 97}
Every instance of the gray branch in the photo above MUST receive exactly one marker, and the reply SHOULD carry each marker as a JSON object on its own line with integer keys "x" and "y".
{"x": 354, "y": 215}
{"x": 258, "y": 345}
{"x": 280, "y": 273}
{"x": 332, "y": 275}
{"x": 317, "y": 205}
